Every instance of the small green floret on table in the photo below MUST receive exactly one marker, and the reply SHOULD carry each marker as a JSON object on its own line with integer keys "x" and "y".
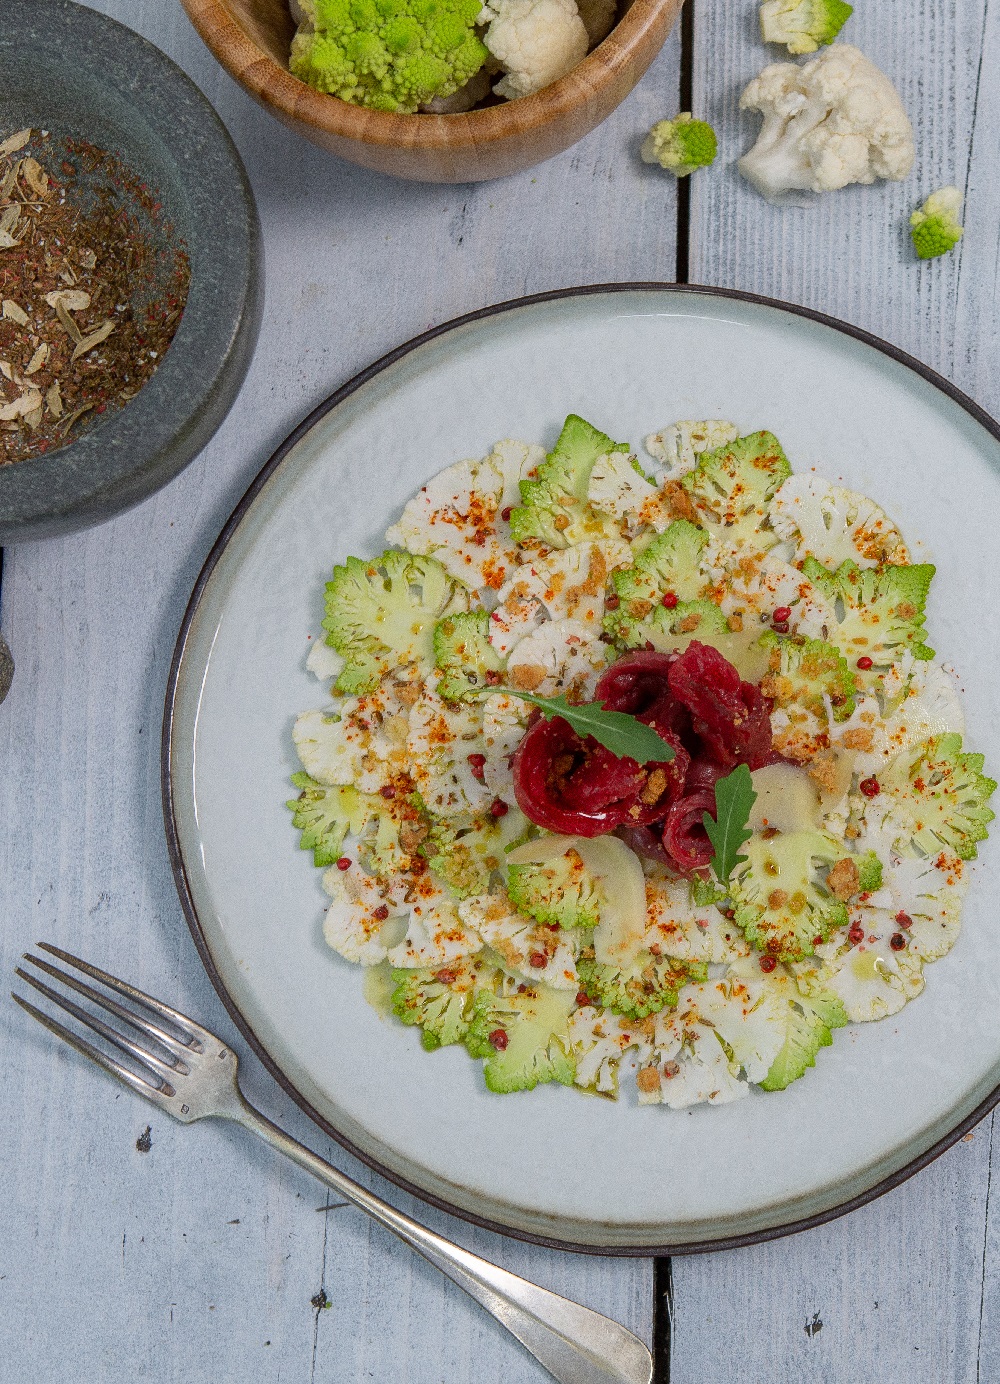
{"x": 680, "y": 145}
{"x": 934, "y": 227}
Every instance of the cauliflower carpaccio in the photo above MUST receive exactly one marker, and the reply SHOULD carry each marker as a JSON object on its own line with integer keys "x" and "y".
{"x": 557, "y": 909}
{"x": 827, "y": 123}
{"x": 441, "y": 56}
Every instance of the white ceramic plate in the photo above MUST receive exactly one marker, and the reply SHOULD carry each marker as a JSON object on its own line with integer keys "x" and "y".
{"x": 553, "y": 1163}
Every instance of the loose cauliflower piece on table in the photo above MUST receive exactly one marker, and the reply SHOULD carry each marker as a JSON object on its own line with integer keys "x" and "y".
{"x": 536, "y": 41}
{"x": 832, "y": 121}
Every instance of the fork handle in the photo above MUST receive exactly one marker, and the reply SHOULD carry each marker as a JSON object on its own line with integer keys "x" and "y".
{"x": 575, "y": 1344}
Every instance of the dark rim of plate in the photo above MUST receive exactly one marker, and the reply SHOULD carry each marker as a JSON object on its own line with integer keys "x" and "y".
{"x": 173, "y": 841}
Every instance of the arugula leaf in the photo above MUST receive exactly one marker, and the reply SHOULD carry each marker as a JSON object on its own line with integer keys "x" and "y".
{"x": 617, "y": 731}
{"x": 734, "y": 799}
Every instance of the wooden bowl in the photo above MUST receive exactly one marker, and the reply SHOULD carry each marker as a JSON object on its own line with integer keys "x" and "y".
{"x": 251, "y": 39}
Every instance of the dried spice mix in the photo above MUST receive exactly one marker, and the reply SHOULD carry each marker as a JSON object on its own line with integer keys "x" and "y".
{"x": 92, "y": 288}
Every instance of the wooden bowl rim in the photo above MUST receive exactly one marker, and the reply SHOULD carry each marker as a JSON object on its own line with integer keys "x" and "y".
{"x": 275, "y": 85}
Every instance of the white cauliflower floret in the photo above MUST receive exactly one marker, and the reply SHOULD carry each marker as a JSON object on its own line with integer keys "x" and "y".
{"x": 363, "y": 914}
{"x": 527, "y": 947}
{"x": 832, "y": 121}
{"x": 678, "y": 447}
{"x": 436, "y": 934}
{"x": 870, "y": 978}
{"x": 323, "y": 662}
{"x": 679, "y": 928}
{"x": 598, "y": 1041}
{"x": 762, "y": 583}
{"x": 560, "y": 656}
{"x": 536, "y": 42}
{"x": 331, "y": 749}
{"x": 617, "y": 488}
{"x": 441, "y": 737}
{"x": 685, "y": 1063}
{"x": 834, "y": 525}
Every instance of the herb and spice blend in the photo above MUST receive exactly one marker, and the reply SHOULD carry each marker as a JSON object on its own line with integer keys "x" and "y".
{"x": 92, "y": 288}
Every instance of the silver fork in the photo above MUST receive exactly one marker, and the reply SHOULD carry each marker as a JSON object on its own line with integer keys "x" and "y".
{"x": 191, "y": 1074}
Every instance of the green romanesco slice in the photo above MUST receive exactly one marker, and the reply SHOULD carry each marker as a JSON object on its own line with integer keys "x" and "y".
{"x": 645, "y": 986}
{"x": 559, "y": 893}
{"x": 441, "y": 1001}
{"x": 523, "y": 1037}
{"x": 669, "y": 566}
{"x": 467, "y": 854}
{"x": 381, "y": 614}
{"x": 782, "y": 906}
{"x": 732, "y": 486}
{"x": 803, "y": 25}
{"x": 554, "y": 510}
{"x": 935, "y": 228}
{"x": 869, "y": 869}
{"x": 942, "y": 795}
{"x": 463, "y": 652}
{"x": 391, "y": 55}
{"x": 810, "y": 1021}
{"x": 326, "y": 815}
{"x": 808, "y": 673}
{"x": 881, "y": 612}
{"x": 680, "y": 145}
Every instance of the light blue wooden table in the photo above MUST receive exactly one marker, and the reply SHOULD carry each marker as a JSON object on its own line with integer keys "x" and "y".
{"x": 186, "y": 1255}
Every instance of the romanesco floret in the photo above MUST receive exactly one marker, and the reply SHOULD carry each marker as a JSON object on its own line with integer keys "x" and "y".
{"x": 935, "y": 228}
{"x": 463, "y": 652}
{"x": 466, "y": 855}
{"x": 558, "y": 893}
{"x": 325, "y": 815}
{"x": 781, "y": 905}
{"x": 803, "y": 25}
{"x": 942, "y": 794}
{"x": 645, "y": 986}
{"x": 809, "y": 673}
{"x": 869, "y": 869}
{"x": 680, "y": 145}
{"x": 669, "y": 564}
{"x": 523, "y": 1037}
{"x": 732, "y": 486}
{"x": 554, "y": 511}
{"x": 381, "y": 614}
{"x": 391, "y": 55}
{"x": 883, "y": 612}
{"x": 810, "y": 1021}
{"x": 441, "y": 1001}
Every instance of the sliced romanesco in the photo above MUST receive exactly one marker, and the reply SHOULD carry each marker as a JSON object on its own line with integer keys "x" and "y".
{"x": 441, "y": 1001}
{"x": 645, "y": 986}
{"x": 554, "y": 509}
{"x": 680, "y": 145}
{"x": 803, "y": 25}
{"x": 668, "y": 566}
{"x": 381, "y": 614}
{"x": 935, "y": 228}
{"x": 391, "y": 55}
{"x": 731, "y": 488}
{"x": 558, "y": 893}
{"x": 942, "y": 795}
{"x": 883, "y": 612}
{"x": 809, "y": 1021}
{"x": 463, "y": 652}
{"x": 808, "y": 682}
{"x": 781, "y": 905}
{"x": 468, "y": 854}
{"x": 325, "y": 815}
{"x": 523, "y": 1037}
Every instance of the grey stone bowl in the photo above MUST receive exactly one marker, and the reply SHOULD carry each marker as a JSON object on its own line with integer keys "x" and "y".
{"x": 76, "y": 73}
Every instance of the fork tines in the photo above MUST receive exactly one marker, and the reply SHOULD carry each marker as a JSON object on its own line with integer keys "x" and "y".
{"x": 156, "y": 1069}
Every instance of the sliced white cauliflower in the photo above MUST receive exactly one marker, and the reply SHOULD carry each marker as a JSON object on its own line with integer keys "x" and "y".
{"x": 527, "y": 947}
{"x": 684, "y": 1062}
{"x": 832, "y": 121}
{"x": 834, "y": 525}
{"x": 870, "y": 977}
{"x": 560, "y": 656}
{"x": 598, "y": 1041}
{"x": 565, "y": 582}
{"x": 762, "y": 583}
{"x": 323, "y": 662}
{"x": 617, "y": 488}
{"x": 331, "y": 750}
{"x": 436, "y": 934}
{"x": 928, "y": 705}
{"x": 535, "y": 41}
{"x": 364, "y": 914}
{"x": 441, "y": 736}
{"x": 679, "y": 928}
{"x": 505, "y": 719}
{"x": 457, "y": 516}
{"x": 678, "y": 447}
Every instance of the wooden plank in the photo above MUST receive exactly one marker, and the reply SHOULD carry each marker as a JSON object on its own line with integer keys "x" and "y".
{"x": 204, "y": 1257}
{"x": 905, "y": 1288}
